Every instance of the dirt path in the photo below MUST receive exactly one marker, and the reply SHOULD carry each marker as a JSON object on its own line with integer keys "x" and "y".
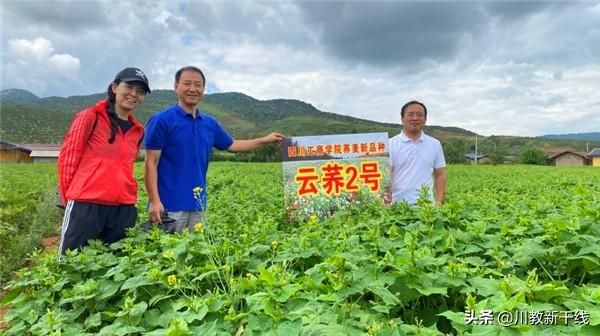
{"x": 3, "y": 312}
{"x": 49, "y": 244}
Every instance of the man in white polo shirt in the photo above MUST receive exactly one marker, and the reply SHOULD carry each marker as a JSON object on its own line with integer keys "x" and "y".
{"x": 417, "y": 159}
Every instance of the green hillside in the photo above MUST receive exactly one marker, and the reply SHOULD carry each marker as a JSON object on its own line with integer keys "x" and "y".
{"x": 18, "y": 96}
{"x": 22, "y": 123}
{"x": 26, "y": 118}
{"x": 240, "y": 114}
{"x": 590, "y": 136}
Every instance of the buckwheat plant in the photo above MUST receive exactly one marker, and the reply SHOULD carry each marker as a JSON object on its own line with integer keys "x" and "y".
{"x": 223, "y": 271}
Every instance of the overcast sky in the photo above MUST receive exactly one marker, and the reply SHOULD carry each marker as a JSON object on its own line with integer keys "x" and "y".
{"x": 510, "y": 67}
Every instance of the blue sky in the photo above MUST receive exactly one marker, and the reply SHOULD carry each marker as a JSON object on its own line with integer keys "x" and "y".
{"x": 502, "y": 68}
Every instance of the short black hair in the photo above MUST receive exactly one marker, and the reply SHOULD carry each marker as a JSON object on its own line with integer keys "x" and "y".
{"x": 189, "y": 68}
{"x": 411, "y": 103}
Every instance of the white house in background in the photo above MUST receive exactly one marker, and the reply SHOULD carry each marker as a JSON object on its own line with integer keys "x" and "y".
{"x": 42, "y": 153}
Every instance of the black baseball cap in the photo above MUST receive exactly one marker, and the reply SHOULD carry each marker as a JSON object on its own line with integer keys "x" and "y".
{"x": 133, "y": 75}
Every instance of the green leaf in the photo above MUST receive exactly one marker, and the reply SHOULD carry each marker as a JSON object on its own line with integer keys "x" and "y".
{"x": 157, "y": 332}
{"x": 483, "y": 286}
{"x": 152, "y": 318}
{"x": 529, "y": 250}
{"x": 548, "y": 291}
{"x": 589, "y": 262}
{"x": 331, "y": 329}
{"x": 119, "y": 329}
{"x": 385, "y": 295}
{"x": 266, "y": 276}
{"x": 589, "y": 331}
{"x": 108, "y": 289}
{"x": 290, "y": 328}
{"x": 204, "y": 275}
{"x": 259, "y": 322}
{"x": 431, "y": 290}
{"x": 16, "y": 329}
{"x": 284, "y": 293}
{"x": 594, "y": 315}
{"x": 191, "y": 316}
{"x": 457, "y": 320}
{"x": 256, "y": 302}
{"x": 207, "y": 329}
{"x": 178, "y": 327}
{"x": 136, "y": 281}
{"x": 92, "y": 321}
{"x": 381, "y": 309}
{"x": 157, "y": 298}
{"x": 590, "y": 249}
{"x": 138, "y": 310}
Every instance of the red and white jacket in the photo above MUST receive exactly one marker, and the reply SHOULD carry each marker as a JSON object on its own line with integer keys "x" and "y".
{"x": 92, "y": 170}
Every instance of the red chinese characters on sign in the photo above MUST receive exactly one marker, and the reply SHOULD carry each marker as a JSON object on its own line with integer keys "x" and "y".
{"x": 292, "y": 151}
{"x": 366, "y": 149}
{"x": 332, "y": 180}
{"x": 351, "y": 176}
{"x": 308, "y": 177}
{"x": 335, "y": 178}
{"x": 370, "y": 174}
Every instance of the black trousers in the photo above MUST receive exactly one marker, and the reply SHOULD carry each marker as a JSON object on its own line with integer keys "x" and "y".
{"x": 84, "y": 221}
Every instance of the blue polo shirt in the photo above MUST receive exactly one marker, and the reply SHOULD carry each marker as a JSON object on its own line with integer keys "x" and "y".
{"x": 185, "y": 143}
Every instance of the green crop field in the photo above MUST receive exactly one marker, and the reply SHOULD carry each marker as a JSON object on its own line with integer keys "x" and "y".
{"x": 514, "y": 251}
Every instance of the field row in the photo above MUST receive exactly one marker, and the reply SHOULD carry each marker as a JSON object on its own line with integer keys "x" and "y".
{"x": 509, "y": 239}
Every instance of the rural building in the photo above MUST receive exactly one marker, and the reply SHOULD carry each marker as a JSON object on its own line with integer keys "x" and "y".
{"x": 14, "y": 153}
{"x": 568, "y": 158}
{"x": 43, "y": 153}
{"x": 481, "y": 158}
{"x": 594, "y": 156}
{"x": 28, "y": 153}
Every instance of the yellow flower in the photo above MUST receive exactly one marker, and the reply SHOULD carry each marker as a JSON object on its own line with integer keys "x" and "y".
{"x": 197, "y": 190}
{"x": 312, "y": 219}
{"x": 172, "y": 280}
{"x": 274, "y": 244}
{"x": 198, "y": 227}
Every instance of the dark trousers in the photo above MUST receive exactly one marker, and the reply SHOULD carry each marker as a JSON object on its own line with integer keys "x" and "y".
{"x": 84, "y": 221}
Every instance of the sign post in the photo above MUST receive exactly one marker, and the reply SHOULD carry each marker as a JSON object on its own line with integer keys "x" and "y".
{"x": 322, "y": 174}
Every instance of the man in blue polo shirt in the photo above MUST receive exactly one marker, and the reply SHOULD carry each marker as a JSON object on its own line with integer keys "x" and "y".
{"x": 178, "y": 145}
{"x": 417, "y": 159}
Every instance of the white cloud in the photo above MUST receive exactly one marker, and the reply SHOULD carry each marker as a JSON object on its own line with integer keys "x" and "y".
{"x": 512, "y": 68}
{"x": 39, "y": 49}
{"x": 65, "y": 64}
{"x": 34, "y": 65}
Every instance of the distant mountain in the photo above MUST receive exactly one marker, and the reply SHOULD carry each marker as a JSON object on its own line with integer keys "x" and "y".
{"x": 26, "y": 118}
{"x": 18, "y": 96}
{"x": 591, "y": 136}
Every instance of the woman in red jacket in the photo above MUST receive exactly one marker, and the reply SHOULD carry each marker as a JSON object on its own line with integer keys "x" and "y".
{"x": 95, "y": 165}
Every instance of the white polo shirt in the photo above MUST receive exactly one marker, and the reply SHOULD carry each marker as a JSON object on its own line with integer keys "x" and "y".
{"x": 412, "y": 165}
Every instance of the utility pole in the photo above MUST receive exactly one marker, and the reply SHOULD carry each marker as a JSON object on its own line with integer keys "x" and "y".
{"x": 476, "y": 149}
